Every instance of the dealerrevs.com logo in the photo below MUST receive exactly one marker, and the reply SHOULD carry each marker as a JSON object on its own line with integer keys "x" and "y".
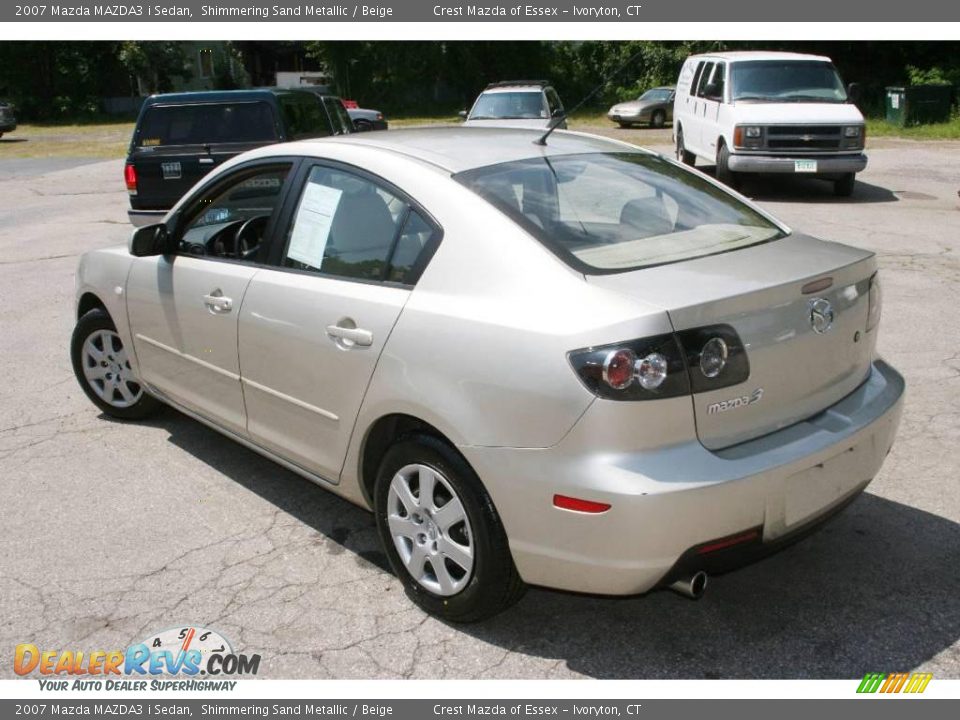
{"x": 910, "y": 683}
{"x": 184, "y": 658}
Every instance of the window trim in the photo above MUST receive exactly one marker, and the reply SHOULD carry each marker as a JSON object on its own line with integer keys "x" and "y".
{"x": 176, "y": 224}
{"x": 278, "y": 248}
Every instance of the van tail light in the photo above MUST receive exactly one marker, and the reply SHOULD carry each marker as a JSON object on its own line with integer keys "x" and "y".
{"x": 874, "y": 303}
{"x": 130, "y": 178}
{"x": 663, "y": 366}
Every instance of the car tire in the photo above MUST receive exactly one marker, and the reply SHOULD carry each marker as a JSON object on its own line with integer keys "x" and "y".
{"x": 658, "y": 119}
{"x": 724, "y": 174}
{"x": 844, "y": 186}
{"x": 416, "y": 532}
{"x": 363, "y": 126}
{"x": 103, "y": 369}
{"x": 687, "y": 158}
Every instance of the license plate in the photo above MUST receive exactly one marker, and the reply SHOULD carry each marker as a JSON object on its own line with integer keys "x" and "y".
{"x": 805, "y": 166}
{"x": 171, "y": 170}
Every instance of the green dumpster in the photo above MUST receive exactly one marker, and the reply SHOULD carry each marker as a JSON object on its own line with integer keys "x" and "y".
{"x": 918, "y": 104}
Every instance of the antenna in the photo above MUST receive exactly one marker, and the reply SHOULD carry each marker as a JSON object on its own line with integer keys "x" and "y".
{"x": 542, "y": 140}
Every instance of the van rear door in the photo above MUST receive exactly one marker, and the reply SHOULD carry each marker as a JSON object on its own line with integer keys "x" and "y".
{"x": 177, "y": 144}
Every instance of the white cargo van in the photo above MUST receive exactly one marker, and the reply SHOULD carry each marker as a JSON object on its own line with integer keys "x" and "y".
{"x": 768, "y": 112}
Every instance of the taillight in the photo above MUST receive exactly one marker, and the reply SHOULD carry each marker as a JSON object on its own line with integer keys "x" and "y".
{"x": 874, "y": 303}
{"x": 698, "y": 360}
{"x": 645, "y": 369}
{"x": 130, "y": 178}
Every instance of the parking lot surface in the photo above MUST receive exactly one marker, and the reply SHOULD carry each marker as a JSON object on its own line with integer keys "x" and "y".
{"x": 112, "y": 531}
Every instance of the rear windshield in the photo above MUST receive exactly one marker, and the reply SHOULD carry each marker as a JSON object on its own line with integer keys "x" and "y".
{"x": 613, "y": 212}
{"x": 206, "y": 124}
{"x": 509, "y": 106}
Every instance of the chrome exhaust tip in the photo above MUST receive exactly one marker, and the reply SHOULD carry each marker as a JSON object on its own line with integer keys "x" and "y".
{"x": 692, "y": 586}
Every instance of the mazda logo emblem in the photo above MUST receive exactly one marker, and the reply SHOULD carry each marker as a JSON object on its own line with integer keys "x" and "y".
{"x": 821, "y": 315}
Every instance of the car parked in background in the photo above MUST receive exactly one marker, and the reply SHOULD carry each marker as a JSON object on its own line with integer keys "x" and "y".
{"x": 575, "y": 364}
{"x": 8, "y": 118}
{"x": 654, "y": 107}
{"x": 769, "y": 112}
{"x": 516, "y": 103}
{"x": 365, "y": 119}
{"x": 180, "y": 137}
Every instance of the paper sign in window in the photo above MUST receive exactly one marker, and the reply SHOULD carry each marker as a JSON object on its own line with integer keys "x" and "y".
{"x": 311, "y": 228}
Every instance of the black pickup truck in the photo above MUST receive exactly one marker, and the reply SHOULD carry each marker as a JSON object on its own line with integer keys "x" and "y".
{"x": 180, "y": 137}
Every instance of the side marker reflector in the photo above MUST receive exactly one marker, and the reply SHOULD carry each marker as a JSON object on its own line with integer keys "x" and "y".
{"x": 577, "y": 505}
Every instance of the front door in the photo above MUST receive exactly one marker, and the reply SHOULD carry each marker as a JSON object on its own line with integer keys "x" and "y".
{"x": 313, "y": 328}
{"x": 183, "y": 306}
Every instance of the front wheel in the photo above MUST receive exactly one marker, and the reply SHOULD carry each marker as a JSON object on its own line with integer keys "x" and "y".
{"x": 844, "y": 186}
{"x": 441, "y": 532}
{"x": 658, "y": 119}
{"x": 724, "y": 174}
{"x": 103, "y": 370}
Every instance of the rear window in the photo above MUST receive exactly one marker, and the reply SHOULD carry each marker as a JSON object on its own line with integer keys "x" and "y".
{"x": 206, "y": 124}
{"x": 304, "y": 117}
{"x": 613, "y": 212}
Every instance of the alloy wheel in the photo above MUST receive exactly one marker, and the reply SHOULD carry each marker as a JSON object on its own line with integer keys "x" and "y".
{"x": 106, "y": 368}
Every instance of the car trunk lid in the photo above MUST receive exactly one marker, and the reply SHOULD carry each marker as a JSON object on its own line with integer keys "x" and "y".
{"x": 766, "y": 294}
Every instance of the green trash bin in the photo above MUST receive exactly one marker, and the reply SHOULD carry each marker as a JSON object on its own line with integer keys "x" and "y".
{"x": 918, "y": 104}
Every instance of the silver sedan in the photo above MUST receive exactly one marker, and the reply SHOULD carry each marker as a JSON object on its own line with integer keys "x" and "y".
{"x": 579, "y": 365}
{"x": 654, "y": 108}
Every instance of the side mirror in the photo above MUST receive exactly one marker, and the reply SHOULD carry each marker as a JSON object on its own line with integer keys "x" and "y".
{"x": 854, "y": 92}
{"x": 462, "y": 114}
{"x": 148, "y": 240}
{"x": 559, "y": 112}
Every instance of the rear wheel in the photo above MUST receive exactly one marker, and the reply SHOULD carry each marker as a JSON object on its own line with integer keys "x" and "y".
{"x": 441, "y": 532}
{"x": 844, "y": 186}
{"x": 103, "y": 370}
{"x": 363, "y": 126}
{"x": 724, "y": 173}
{"x": 658, "y": 119}
{"x": 687, "y": 158}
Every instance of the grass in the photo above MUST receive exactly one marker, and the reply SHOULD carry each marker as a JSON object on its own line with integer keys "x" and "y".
{"x": 108, "y": 140}
{"x": 939, "y": 131}
{"x": 98, "y": 140}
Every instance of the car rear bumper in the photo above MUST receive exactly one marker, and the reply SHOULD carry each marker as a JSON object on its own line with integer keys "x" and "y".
{"x": 668, "y": 503}
{"x": 140, "y": 218}
{"x": 628, "y": 117}
{"x": 826, "y": 165}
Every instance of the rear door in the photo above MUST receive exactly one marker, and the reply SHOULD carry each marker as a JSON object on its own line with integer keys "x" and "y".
{"x": 183, "y": 306}
{"x": 175, "y": 145}
{"x": 312, "y": 328}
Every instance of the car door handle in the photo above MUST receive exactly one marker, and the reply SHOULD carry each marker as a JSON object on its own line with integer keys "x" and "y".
{"x": 218, "y": 302}
{"x": 350, "y": 336}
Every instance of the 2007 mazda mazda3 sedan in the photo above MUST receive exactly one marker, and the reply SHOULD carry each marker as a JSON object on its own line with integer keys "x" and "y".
{"x": 578, "y": 365}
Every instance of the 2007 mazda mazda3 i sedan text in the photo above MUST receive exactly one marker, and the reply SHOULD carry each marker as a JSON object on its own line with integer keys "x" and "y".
{"x": 578, "y": 365}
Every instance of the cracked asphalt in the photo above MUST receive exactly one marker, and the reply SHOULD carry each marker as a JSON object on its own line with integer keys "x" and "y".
{"x": 111, "y": 531}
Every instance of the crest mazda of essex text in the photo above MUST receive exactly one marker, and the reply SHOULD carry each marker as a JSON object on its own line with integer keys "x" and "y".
{"x": 561, "y": 361}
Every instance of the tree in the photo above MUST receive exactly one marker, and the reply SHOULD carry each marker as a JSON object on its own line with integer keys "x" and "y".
{"x": 155, "y": 64}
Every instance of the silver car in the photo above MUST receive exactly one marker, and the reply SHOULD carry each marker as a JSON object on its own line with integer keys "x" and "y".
{"x": 579, "y": 365}
{"x": 654, "y": 107}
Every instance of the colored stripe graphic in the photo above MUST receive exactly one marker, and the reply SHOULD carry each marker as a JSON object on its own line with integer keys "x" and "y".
{"x": 894, "y": 682}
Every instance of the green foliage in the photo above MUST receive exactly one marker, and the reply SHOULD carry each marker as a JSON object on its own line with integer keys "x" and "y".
{"x": 933, "y": 76}
{"x": 155, "y": 63}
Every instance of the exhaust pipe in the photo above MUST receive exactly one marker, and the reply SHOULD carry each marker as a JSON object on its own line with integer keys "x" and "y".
{"x": 691, "y": 586}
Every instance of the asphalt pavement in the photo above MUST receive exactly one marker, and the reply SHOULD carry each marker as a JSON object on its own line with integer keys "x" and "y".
{"x": 112, "y": 531}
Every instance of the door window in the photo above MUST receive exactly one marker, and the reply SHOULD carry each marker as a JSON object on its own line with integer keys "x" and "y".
{"x": 230, "y": 220}
{"x": 350, "y": 227}
{"x": 695, "y": 84}
{"x": 304, "y": 117}
{"x": 704, "y": 79}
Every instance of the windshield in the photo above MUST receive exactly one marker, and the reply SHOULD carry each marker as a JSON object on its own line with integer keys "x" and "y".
{"x": 612, "y": 212}
{"x": 787, "y": 81}
{"x": 656, "y": 95}
{"x": 509, "y": 106}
